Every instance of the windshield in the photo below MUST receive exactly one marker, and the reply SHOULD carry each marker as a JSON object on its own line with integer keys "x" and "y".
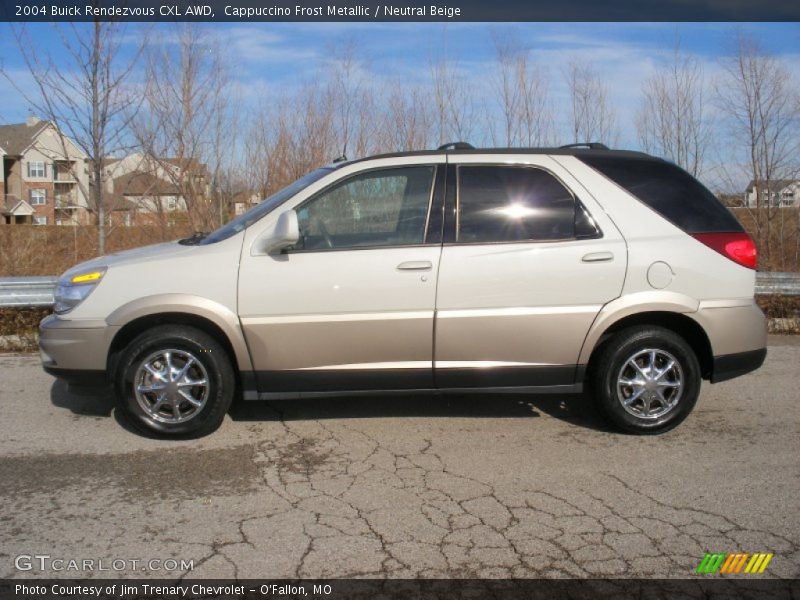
{"x": 266, "y": 206}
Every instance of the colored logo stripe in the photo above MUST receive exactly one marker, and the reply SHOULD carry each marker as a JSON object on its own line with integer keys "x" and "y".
{"x": 733, "y": 563}
{"x": 758, "y": 563}
{"x": 711, "y": 563}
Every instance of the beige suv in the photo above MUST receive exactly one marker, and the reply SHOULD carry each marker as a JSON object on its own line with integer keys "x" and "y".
{"x": 455, "y": 270}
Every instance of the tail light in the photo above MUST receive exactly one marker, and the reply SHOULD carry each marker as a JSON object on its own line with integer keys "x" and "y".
{"x": 739, "y": 247}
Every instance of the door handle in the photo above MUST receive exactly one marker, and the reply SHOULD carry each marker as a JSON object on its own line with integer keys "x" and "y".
{"x": 594, "y": 257}
{"x": 415, "y": 265}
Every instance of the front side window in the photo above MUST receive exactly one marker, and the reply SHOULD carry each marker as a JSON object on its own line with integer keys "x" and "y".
{"x": 36, "y": 169}
{"x": 378, "y": 208}
{"x": 516, "y": 204}
{"x": 38, "y": 197}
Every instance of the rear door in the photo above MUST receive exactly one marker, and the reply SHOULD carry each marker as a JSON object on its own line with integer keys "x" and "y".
{"x": 529, "y": 262}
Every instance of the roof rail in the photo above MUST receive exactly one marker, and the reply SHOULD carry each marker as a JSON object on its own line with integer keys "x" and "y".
{"x": 590, "y": 145}
{"x": 456, "y": 146}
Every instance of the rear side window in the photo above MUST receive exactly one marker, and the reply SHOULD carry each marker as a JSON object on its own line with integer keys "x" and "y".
{"x": 511, "y": 204}
{"x": 668, "y": 190}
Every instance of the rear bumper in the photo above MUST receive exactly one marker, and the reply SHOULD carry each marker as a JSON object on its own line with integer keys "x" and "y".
{"x": 733, "y": 365}
{"x": 737, "y": 334}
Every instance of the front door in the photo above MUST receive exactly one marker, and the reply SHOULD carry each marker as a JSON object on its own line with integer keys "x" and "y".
{"x": 351, "y": 306}
{"x": 526, "y": 271}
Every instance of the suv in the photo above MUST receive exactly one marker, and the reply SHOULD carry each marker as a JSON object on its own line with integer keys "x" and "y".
{"x": 455, "y": 270}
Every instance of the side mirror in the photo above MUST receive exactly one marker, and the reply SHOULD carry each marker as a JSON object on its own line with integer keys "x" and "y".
{"x": 285, "y": 234}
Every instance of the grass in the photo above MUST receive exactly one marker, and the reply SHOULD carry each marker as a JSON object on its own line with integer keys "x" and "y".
{"x": 51, "y": 250}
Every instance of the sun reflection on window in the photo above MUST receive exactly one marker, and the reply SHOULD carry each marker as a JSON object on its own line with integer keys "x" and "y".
{"x": 516, "y": 211}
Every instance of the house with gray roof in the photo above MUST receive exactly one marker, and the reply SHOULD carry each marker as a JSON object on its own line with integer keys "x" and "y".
{"x": 146, "y": 190}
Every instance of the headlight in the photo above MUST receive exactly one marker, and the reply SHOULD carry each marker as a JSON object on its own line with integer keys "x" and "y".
{"x": 73, "y": 290}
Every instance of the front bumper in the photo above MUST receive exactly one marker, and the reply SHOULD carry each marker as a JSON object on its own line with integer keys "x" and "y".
{"x": 76, "y": 376}
{"x": 75, "y": 350}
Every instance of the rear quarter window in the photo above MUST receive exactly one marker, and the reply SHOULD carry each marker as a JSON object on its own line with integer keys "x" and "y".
{"x": 668, "y": 190}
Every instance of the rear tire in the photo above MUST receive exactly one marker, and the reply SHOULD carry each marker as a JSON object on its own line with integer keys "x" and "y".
{"x": 175, "y": 380}
{"x": 646, "y": 379}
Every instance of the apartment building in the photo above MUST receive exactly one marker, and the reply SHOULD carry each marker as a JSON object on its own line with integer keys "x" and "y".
{"x": 44, "y": 176}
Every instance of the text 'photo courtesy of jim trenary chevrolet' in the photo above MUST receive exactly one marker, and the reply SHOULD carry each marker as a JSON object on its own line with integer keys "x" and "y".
{"x": 419, "y": 301}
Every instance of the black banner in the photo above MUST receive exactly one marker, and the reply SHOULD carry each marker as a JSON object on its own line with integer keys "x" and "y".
{"x": 713, "y": 587}
{"x": 406, "y": 10}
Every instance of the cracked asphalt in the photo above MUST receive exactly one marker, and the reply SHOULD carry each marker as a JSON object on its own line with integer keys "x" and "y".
{"x": 459, "y": 486}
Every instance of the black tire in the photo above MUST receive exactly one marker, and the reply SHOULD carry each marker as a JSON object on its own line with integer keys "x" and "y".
{"x": 221, "y": 380}
{"x": 607, "y": 369}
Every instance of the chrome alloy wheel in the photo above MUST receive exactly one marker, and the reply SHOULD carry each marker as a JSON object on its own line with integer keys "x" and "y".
{"x": 171, "y": 386}
{"x": 650, "y": 383}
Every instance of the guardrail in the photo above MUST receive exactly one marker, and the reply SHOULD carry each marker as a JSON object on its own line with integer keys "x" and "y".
{"x": 36, "y": 292}
{"x": 774, "y": 282}
{"x": 27, "y": 292}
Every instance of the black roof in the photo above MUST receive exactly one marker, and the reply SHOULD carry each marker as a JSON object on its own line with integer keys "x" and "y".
{"x": 558, "y": 150}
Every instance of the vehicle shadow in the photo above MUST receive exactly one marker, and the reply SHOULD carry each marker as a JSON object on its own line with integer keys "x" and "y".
{"x": 576, "y": 409}
{"x": 84, "y": 401}
{"x": 90, "y": 401}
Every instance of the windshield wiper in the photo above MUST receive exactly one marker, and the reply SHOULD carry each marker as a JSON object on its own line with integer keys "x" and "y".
{"x": 195, "y": 238}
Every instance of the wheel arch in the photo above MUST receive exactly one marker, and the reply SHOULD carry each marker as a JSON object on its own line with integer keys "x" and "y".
{"x": 680, "y": 323}
{"x": 206, "y": 315}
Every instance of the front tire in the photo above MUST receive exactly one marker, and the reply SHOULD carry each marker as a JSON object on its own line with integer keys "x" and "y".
{"x": 646, "y": 379}
{"x": 175, "y": 380}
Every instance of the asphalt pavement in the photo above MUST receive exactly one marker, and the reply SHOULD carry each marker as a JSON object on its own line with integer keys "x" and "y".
{"x": 421, "y": 486}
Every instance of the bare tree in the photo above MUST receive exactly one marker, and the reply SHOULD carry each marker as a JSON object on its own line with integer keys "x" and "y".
{"x": 84, "y": 92}
{"x": 671, "y": 121}
{"x": 297, "y": 134}
{"x": 186, "y": 130}
{"x": 506, "y": 88}
{"x": 257, "y": 152}
{"x": 352, "y": 100}
{"x": 522, "y": 94}
{"x": 591, "y": 118}
{"x": 408, "y": 120}
{"x": 758, "y": 99}
{"x": 454, "y": 106}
